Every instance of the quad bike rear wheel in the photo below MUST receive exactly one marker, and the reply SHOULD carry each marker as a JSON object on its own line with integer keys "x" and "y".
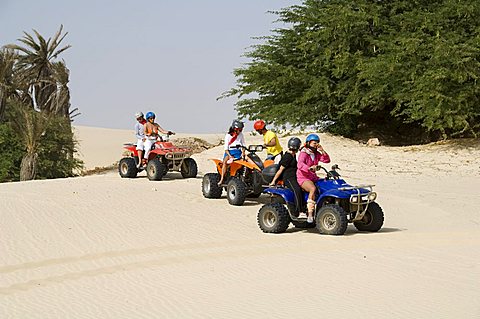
{"x": 273, "y": 218}
{"x": 210, "y": 188}
{"x": 189, "y": 168}
{"x": 236, "y": 191}
{"x": 331, "y": 220}
{"x": 372, "y": 220}
{"x": 155, "y": 170}
{"x": 127, "y": 167}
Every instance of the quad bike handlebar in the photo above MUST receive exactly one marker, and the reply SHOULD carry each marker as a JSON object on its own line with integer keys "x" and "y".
{"x": 251, "y": 148}
{"x": 332, "y": 174}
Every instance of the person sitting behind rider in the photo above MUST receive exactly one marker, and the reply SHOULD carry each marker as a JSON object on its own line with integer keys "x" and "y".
{"x": 140, "y": 134}
{"x": 234, "y": 146}
{"x": 151, "y": 133}
{"x": 288, "y": 173}
{"x": 309, "y": 157}
{"x": 270, "y": 140}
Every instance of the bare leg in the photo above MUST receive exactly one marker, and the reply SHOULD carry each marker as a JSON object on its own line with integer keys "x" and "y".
{"x": 140, "y": 158}
{"x": 224, "y": 169}
{"x": 309, "y": 187}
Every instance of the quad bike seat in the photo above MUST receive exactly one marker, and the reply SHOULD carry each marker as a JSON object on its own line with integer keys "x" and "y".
{"x": 269, "y": 172}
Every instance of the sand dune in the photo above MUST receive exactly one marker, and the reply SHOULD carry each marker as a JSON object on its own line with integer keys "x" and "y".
{"x": 106, "y": 247}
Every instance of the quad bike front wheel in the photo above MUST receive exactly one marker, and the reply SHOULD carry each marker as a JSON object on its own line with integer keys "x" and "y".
{"x": 236, "y": 191}
{"x": 210, "y": 188}
{"x": 331, "y": 220}
{"x": 273, "y": 218}
{"x": 373, "y": 219}
{"x": 155, "y": 170}
{"x": 189, "y": 168}
{"x": 127, "y": 168}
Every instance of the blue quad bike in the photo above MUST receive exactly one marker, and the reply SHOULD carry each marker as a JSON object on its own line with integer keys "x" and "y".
{"x": 337, "y": 204}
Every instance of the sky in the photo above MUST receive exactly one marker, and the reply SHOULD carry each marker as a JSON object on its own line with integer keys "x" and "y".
{"x": 170, "y": 57}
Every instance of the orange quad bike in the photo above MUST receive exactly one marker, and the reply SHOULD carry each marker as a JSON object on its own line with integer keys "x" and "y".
{"x": 242, "y": 179}
{"x": 163, "y": 157}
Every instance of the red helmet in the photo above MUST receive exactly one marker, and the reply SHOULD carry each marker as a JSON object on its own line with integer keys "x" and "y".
{"x": 259, "y": 125}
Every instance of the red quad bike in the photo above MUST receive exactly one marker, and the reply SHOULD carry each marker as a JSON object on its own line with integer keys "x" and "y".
{"x": 242, "y": 179}
{"x": 163, "y": 157}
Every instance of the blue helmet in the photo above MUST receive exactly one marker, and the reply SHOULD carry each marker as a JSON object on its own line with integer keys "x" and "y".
{"x": 312, "y": 137}
{"x": 150, "y": 115}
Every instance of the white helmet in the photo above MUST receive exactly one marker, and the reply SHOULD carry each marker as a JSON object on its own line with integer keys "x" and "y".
{"x": 138, "y": 115}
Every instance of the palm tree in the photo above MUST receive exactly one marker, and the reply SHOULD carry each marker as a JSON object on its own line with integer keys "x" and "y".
{"x": 7, "y": 78}
{"x": 37, "y": 68}
{"x": 30, "y": 125}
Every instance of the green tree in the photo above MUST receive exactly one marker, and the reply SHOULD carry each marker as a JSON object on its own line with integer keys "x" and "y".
{"x": 12, "y": 153}
{"x": 56, "y": 150}
{"x": 412, "y": 65}
{"x": 35, "y": 106}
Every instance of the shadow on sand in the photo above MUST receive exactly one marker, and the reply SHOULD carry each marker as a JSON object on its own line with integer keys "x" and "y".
{"x": 351, "y": 231}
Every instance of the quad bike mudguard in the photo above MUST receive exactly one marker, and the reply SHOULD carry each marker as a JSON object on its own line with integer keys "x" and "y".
{"x": 235, "y": 166}
{"x": 284, "y": 192}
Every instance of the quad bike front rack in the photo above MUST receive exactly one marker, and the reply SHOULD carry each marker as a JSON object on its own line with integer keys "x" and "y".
{"x": 360, "y": 199}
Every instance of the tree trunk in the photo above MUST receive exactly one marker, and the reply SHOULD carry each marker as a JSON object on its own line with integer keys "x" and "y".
{"x": 28, "y": 167}
{"x": 3, "y": 104}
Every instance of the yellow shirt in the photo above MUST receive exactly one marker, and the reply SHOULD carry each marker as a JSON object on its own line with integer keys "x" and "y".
{"x": 276, "y": 149}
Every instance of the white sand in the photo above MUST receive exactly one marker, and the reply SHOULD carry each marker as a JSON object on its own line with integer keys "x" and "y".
{"x": 106, "y": 247}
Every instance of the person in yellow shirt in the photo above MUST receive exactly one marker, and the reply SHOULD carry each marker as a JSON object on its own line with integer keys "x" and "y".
{"x": 270, "y": 140}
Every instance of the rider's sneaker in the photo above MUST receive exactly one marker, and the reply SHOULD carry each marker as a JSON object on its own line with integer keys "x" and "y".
{"x": 310, "y": 220}
{"x": 302, "y": 215}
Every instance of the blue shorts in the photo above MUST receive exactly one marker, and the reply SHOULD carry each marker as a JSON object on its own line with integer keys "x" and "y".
{"x": 237, "y": 154}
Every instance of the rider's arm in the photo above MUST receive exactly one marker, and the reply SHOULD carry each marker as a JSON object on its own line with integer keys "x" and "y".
{"x": 272, "y": 142}
{"x": 277, "y": 175}
{"x": 271, "y": 138}
{"x": 324, "y": 158}
{"x": 226, "y": 146}
{"x": 161, "y": 129}
{"x": 241, "y": 139}
{"x": 138, "y": 131}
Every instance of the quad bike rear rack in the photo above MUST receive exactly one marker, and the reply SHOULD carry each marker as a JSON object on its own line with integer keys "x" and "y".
{"x": 360, "y": 199}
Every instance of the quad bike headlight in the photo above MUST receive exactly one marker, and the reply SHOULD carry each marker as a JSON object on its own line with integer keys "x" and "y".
{"x": 372, "y": 196}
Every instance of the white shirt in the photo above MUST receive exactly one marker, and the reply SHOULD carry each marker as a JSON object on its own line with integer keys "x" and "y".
{"x": 239, "y": 141}
{"x": 139, "y": 130}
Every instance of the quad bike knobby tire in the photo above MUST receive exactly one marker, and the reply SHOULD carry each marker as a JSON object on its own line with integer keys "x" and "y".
{"x": 189, "y": 168}
{"x": 372, "y": 220}
{"x": 210, "y": 188}
{"x": 236, "y": 191}
{"x": 155, "y": 170}
{"x": 331, "y": 220}
{"x": 273, "y": 218}
{"x": 127, "y": 168}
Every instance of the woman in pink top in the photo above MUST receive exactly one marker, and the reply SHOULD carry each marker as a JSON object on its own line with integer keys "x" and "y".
{"x": 308, "y": 159}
